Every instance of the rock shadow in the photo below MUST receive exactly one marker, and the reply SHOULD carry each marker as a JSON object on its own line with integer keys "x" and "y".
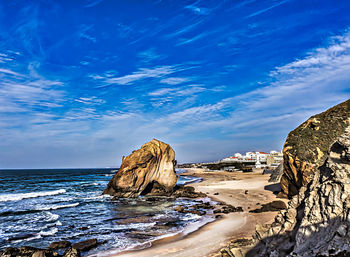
{"x": 321, "y": 241}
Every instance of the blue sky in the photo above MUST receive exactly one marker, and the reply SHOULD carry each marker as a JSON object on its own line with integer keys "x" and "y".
{"x": 83, "y": 83}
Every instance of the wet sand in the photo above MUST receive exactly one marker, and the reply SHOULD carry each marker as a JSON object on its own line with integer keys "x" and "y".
{"x": 238, "y": 189}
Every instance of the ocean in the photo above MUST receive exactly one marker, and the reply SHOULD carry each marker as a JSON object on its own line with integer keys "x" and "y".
{"x": 38, "y": 207}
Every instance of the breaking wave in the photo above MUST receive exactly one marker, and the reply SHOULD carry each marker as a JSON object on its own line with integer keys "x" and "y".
{"x": 21, "y": 196}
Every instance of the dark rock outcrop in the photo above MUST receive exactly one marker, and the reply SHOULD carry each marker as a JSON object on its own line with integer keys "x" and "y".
{"x": 85, "y": 245}
{"x": 187, "y": 192}
{"x": 59, "y": 245}
{"x": 27, "y": 251}
{"x": 147, "y": 171}
{"x": 273, "y": 206}
{"x": 307, "y": 147}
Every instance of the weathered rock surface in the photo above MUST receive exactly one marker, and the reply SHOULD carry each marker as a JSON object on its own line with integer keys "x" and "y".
{"x": 147, "y": 171}
{"x": 59, "y": 245}
{"x": 317, "y": 221}
{"x": 307, "y": 147}
{"x": 27, "y": 251}
{"x": 85, "y": 245}
{"x": 276, "y": 174}
{"x": 187, "y": 192}
{"x": 71, "y": 252}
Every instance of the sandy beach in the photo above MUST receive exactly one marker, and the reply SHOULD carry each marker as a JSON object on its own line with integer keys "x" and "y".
{"x": 238, "y": 189}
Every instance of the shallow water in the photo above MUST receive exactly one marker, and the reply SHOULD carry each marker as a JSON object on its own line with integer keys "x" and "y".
{"x": 38, "y": 207}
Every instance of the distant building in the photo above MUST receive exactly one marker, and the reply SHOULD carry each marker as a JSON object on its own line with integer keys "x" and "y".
{"x": 274, "y": 158}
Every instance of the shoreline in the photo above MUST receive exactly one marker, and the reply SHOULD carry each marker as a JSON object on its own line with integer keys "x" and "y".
{"x": 238, "y": 189}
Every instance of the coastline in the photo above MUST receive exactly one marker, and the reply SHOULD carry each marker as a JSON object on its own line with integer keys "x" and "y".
{"x": 238, "y": 189}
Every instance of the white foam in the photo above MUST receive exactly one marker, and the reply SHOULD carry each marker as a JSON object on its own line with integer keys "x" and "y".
{"x": 55, "y": 207}
{"x": 50, "y": 232}
{"x": 98, "y": 197}
{"x": 21, "y": 196}
{"x": 52, "y": 217}
{"x": 28, "y": 239}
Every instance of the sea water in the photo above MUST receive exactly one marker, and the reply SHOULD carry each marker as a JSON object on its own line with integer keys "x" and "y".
{"x": 38, "y": 207}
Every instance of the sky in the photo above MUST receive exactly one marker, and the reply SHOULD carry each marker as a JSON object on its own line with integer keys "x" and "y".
{"x": 83, "y": 83}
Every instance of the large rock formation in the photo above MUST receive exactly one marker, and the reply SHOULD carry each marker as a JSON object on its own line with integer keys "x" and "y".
{"x": 317, "y": 221}
{"x": 149, "y": 170}
{"x": 307, "y": 147}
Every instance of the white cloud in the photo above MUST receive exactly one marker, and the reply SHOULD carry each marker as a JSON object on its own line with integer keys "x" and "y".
{"x": 174, "y": 80}
{"x": 178, "y": 91}
{"x": 142, "y": 73}
{"x": 10, "y": 72}
{"x": 90, "y": 100}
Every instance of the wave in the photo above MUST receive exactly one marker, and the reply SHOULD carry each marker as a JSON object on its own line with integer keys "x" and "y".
{"x": 97, "y": 197}
{"x": 21, "y": 196}
{"x": 50, "y": 232}
{"x": 89, "y": 184}
{"x": 40, "y": 209}
{"x": 51, "y": 217}
{"x": 55, "y": 207}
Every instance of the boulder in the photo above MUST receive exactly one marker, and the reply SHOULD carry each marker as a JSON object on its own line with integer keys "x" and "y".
{"x": 307, "y": 147}
{"x": 85, "y": 245}
{"x": 71, "y": 252}
{"x": 187, "y": 192}
{"x": 28, "y": 251}
{"x": 272, "y": 206}
{"x": 147, "y": 171}
{"x": 59, "y": 245}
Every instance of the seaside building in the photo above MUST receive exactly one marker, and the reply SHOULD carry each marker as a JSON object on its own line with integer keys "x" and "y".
{"x": 261, "y": 159}
{"x": 274, "y": 158}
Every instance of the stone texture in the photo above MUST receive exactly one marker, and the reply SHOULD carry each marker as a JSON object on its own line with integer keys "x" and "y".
{"x": 85, "y": 245}
{"x": 28, "y": 251}
{"x": 317, "y": 220}
{"x": 307, "y": 147}
{"x": 59, "y": 245}
{"x": 147, "y": 171}
{"x": 71, "y": 252}
{"x": 276, "y": 174}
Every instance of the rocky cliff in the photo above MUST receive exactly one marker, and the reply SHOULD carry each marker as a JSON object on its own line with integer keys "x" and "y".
{"x": 149, "y": 170}
{"x": 307, "y": 147}
{"x": 317, "y": 221}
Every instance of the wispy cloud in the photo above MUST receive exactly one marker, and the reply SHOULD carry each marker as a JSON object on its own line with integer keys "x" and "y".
{"x": 198, "y": 10}
{"x": 174, "y": 80}
{"x": 84, "y": 33}
{"x": 92, "y": 3}
{"x": 267, "y": 9}
{"x": 149, "y": 55}
{"x": 185, "y": 41}
{"x": 93, "y": 100}
{"x": 10, "y": 72}
{"x": 178, "y": 91}
{"x": 143, "y": 73}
